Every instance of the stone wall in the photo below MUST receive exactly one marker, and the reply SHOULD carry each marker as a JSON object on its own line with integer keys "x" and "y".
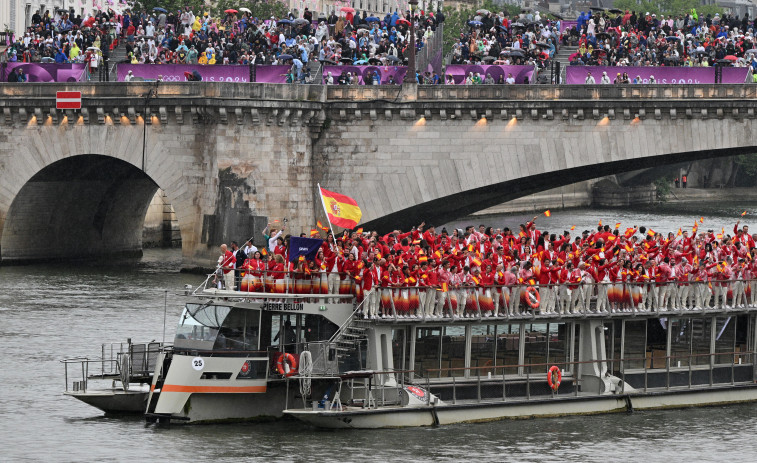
{"x": 231, "y": 157}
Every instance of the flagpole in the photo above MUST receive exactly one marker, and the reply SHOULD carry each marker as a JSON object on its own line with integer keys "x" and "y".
{"x": 320, "y": 193}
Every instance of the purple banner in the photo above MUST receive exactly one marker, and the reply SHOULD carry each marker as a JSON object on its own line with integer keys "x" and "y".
{"x": 565, "y": 25}
{"x": 398, "y": 72}
{"x": 272, "y": 74}
{"x": 175, "y": 72}
{"x": 459, "y": 71}
{"x": 662, "y": 74}
{"x": 47, "y": 72}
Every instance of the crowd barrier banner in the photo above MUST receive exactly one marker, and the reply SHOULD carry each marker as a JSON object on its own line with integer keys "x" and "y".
{"x": 398, "y": 72}
{"x": 272, "y": 74}
{"x": 459, "y": 71}
{"x": 48, "y": 72}
{"x": 565, "y": 25}
{"x": 662, "y": 74}
{"x": 175, "y": 72}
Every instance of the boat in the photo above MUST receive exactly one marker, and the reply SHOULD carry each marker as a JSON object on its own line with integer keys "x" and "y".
{"x": 293, "y": 351}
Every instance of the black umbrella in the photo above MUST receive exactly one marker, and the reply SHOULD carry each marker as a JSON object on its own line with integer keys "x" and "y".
{"x": 299, "y": 21}
{"x": 596, "y": 8}
{"x": 604, "y": 35}
{"x": 615, "y": 11}
{"x": 393, "y": 59}
{"x": 517, "y": 53}
{"x": 285, "y": 57}
{"x": 543, "y": 45}
{"x": 347, "y": 60}
{"x": 488, "y": 58}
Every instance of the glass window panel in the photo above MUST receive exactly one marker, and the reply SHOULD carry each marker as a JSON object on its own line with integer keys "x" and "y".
{"x": 453, "y": 351}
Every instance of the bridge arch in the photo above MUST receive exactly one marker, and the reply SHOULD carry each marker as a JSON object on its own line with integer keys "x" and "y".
{"x": 448, "y": 208}
{"x": 77, "y": 207}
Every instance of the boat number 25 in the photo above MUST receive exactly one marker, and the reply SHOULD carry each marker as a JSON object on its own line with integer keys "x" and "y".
{"x": 198, "y": 363}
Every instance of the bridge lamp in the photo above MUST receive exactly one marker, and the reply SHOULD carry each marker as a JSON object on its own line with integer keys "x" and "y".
{"x": 604, "y": 121}
{"x": 64, "y": 120}
{"x": 421, "y": 121}
{"x": 410, "y": 74}
{"x": 511, "y": 123}
{"x": 80, "y": 120}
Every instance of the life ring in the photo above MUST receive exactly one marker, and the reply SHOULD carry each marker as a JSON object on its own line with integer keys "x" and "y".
{"x": 554, "y": 377}
{"x": 286, "y": 364}
{"x": 532, "y": 297}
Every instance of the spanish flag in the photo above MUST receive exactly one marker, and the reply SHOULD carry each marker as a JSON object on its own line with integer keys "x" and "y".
{"x": 313, "y": 232}
{"x": 342, "y": 210}
{"x": 547, "y": 213}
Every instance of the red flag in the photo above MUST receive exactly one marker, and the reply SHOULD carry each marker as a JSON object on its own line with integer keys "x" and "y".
{"x": 263, "y": 251}
{"x": 573, "y": 227}
{"x": 359, "y": 231}
{"x": 547, "y": 213}
{"x": 320, "y": 225}
{"x": 743, "y": 214}
{"x": 342, "y": 210}
{"x": 617, "y": 225}
{"x": 313, "y": 232}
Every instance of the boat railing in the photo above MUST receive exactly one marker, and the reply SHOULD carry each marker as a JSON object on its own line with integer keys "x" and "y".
{"x": 281, "y": 284}
{"x": 118, "y": 361}
{"x": 529, "y": 381}
{"x": 557, "y": 300}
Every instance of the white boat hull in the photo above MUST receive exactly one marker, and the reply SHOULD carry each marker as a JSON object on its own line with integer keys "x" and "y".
{"x": 396, "y": 417}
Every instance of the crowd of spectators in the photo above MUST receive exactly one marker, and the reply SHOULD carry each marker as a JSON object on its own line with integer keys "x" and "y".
{"x": 430, "y": 272}
{"x": 497, "y": 38}
{"x": 63, "y": 37}
{"x": 628, "y": 38}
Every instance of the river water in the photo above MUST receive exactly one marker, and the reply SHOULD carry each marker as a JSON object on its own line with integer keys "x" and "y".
{"x": 51, "y": 312}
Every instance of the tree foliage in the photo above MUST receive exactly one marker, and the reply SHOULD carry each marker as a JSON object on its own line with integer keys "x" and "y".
{"x": 669, "y": 7}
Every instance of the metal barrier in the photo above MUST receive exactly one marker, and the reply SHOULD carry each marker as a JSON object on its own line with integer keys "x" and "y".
{"x": 554, "y": 301}
{"x": 494, "y": 384}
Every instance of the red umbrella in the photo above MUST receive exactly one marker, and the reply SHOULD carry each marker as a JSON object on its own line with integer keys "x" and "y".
{"x": 348, "y": 9}
{"x": 231, "y": 11}
{"x": 403, "y": 21}
{"x": 731, "y": 58}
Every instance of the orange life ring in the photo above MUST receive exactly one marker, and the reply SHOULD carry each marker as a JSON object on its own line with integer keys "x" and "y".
{"x": 286, "y": 362}
{"x": 532, "y": 297}
{"x": 554, "y": 377}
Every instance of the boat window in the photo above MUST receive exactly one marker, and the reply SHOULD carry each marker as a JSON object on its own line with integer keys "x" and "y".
{"x": 453, "y": 351}
{"x": 240, "y": 331}
{"x": 199, "y": 325}
{"x": 535, "y": 350}
{"x": 483, "y": 350}
{"x": 508, "y": 341}
{"x": 725, "y": 339}
{"x": 400, "y": 348}
{"x": 634, "y": 349}
{"x": 558, "y": 344}
{"x": 427, "y": 349}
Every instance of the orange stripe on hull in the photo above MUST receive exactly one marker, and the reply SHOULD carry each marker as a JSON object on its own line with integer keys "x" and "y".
{"x": 211, "y": 389}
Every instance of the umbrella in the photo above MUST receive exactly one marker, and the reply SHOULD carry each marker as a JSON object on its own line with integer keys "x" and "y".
{"x": 615, "y": 11}
{"x": 518, "y": 24}
{"x": 482, "y": 11}
{"x": 403, "y": 21}
{"x": 231, "y": 11}
{"x": 328, "y": 61}
{"x": 93, "y": 48}
{"x": 347, "y": 9}
{"x": 299, "y": 21}
{"x": 730, "y": 58}
{"x": 161, "y": 10}
{"x": 347, "y": 60}
{"x": 672, "y": 38}
{"x": 517, "y": 53}
{"x": 393, "y": 59}
{"x": 47, "y": 59}
{"x": 604, "y": 35}
{"x": 360, "y": 61}
{"x": 752, "y": 50}
{"x": 245, "y": 10}
{"x": 372, "y": 19}
{"x": 285, "y": 57}
{"x": 596, "y": 8}
{"x": 374, "y": 61}
{"x": 475, "y": 23}
{"x": 488, "y": 58}
{"x": 284, "y": 21}
{"x": 362, "y": 30}
{"x": 543, "y": 45}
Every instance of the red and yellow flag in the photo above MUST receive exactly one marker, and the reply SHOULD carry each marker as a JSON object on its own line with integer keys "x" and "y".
{"x": 313, "y": 232}
{"x": 743, "y": 214}
{"x": 359, "y": 231}
{"x": 320, "y": 225}
{"x": 547, "y": 213}
{"x": 342, "y": 210}
{"x": 573, "y": 227}
{"x": 617, "y": 225}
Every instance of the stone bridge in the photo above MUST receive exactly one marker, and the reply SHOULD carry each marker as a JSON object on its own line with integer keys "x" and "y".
{"x": 232, "y": 156}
